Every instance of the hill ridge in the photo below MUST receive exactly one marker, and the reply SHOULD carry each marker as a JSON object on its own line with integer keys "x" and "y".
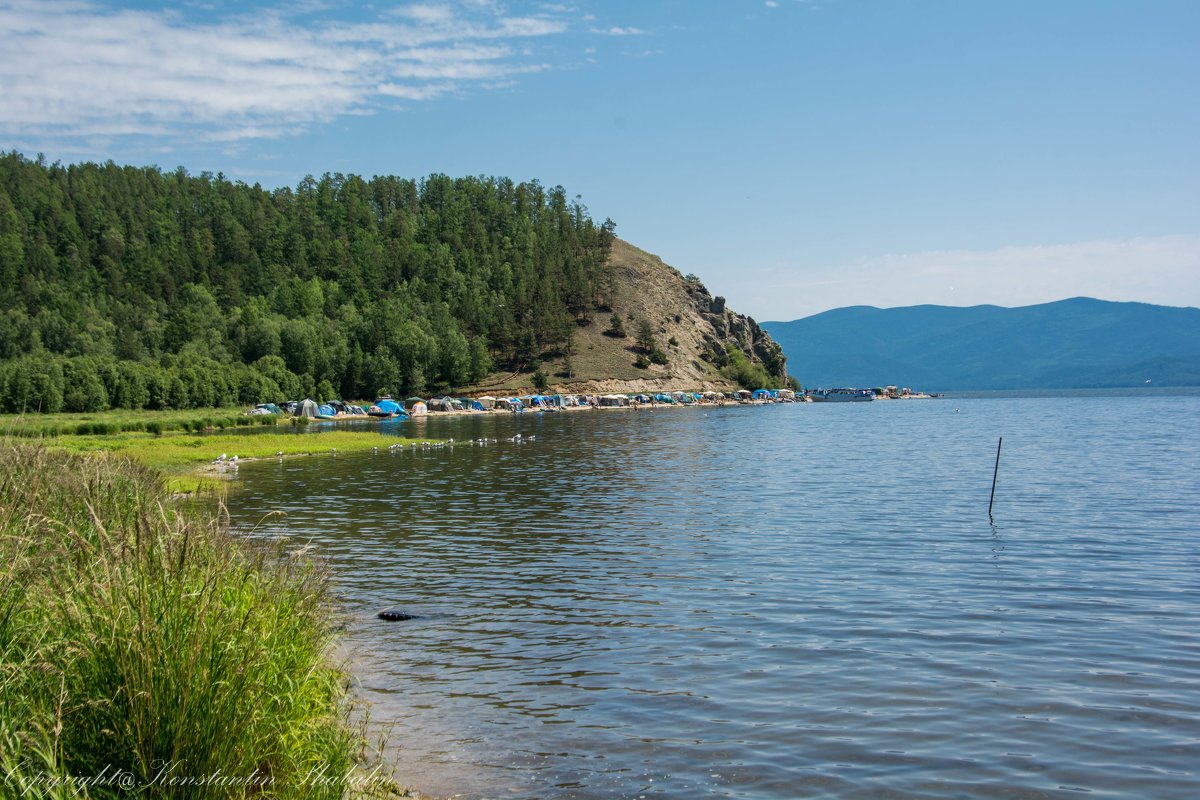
{"x": 1078, "y": 342}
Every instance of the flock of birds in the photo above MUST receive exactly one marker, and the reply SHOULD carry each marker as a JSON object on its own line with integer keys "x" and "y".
{"x": 225, "y": 461}
{"x": 518, "y": 439}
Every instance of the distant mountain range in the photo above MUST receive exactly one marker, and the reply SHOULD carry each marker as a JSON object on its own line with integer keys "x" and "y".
{"x": 1076, "y": 343}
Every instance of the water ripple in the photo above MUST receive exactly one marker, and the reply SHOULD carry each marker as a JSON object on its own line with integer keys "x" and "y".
{"x": 778, "y": 602}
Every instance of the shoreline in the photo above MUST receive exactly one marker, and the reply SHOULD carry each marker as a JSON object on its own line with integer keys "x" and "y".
{"x": 186, "y": 446}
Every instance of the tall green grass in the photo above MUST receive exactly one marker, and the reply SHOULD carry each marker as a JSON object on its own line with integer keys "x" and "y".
{"x": 141, "y": 640}
{"x": 104, "y": 423}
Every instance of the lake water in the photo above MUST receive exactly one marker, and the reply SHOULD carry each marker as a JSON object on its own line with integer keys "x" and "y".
{"x": 775, "y": 602}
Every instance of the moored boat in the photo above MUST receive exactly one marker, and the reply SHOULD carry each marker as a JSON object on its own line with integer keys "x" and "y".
{"x": 844, "y": 395}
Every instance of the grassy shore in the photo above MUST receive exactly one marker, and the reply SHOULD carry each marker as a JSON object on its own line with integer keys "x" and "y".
{"x": 182, "y": 445}
{"x": 126, "y": 421}
{"x": 146, "y": 648}
{"x": 185, "y": 460}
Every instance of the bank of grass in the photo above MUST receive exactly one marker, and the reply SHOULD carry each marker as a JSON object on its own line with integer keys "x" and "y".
{"x": 178, "y": 452}
{"x": 101, "y": 423}
{"x": 186, "y": 460}
{"x": 134, "y": 635}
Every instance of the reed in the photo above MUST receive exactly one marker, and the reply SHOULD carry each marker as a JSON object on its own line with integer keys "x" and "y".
{"x": 142, "y": 639}
{"x": 103, "y": 423}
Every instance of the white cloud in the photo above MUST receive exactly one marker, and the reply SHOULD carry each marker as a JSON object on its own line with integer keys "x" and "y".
{"x": 75, "y": 69}
{"x": 617, "y": 30}
{"x": 1161, "y": 269}
{"x": 428, "y": 14}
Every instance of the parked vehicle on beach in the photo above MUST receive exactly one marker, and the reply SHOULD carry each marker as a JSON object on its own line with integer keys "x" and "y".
{"x": 844, "y": 395}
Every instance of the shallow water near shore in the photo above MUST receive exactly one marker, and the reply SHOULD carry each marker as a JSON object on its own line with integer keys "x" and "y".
{"x": 774, "y": 602}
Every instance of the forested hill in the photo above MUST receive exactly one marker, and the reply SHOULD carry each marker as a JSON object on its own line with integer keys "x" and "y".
{"x": 167, "y": 289}
{"x": 137, "y": 288}
{"x": 1076, "y": 343}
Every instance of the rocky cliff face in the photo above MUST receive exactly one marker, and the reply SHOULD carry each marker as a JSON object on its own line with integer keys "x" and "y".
{"x": 691, "y": 327}
{"x": 731, "y": 327}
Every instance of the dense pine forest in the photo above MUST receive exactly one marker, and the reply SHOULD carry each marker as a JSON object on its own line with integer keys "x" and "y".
{"x": 137, "y": 288}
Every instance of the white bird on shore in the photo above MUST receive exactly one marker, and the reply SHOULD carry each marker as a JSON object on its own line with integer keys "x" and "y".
{"x": 234, "y": 459}
{"x": 220, "y": 459}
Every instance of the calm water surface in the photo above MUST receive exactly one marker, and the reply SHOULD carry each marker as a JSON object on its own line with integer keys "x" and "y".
{"x": 775, "y": 602}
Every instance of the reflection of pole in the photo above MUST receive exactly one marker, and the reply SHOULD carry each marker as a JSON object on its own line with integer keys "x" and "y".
{"x": 994, "y": 473}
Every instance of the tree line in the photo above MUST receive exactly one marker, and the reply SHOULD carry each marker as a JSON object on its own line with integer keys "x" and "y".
{"x": 138, "y": 288}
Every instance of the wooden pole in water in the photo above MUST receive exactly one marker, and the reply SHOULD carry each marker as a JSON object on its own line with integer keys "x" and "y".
{"x": 994, "y": 473}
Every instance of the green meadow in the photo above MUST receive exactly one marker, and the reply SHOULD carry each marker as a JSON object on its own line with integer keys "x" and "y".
{"x": 182, "y": 445}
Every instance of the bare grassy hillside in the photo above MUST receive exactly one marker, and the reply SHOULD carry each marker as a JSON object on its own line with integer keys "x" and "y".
{"x": 691, "y": 327}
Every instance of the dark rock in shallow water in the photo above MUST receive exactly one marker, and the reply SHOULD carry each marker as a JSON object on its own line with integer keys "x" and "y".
{"x": 396, "y": 616}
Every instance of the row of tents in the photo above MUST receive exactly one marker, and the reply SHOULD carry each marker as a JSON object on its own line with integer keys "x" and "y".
{"x": 417, "y": 406}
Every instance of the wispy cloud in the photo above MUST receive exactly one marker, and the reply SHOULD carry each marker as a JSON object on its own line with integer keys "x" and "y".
{"x": 1158, "y": 269}
{"x": 73, "y": 70}
{"x": 617, "y": 30}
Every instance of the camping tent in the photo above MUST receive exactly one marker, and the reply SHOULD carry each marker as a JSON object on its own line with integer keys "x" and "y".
{"x": 385, "y": 406}
{"x": 487, "y": 401}
{"x": 308, "y": 408}
{"x": 440, "y": 404}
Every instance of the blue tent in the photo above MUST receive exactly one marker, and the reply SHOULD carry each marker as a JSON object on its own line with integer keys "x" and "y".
{"x": 389, "y": 406}
{"x": 762, "y": 394}
{"x": 664, "y": 398}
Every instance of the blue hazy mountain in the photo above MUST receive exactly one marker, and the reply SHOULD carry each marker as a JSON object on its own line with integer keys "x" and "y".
{"x": 1076, "y": 343}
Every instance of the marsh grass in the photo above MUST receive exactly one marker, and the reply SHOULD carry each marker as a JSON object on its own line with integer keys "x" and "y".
{"x": 105, "y": 423}
{"x": 143, "y": 639}
{"x": 181, "y": 450}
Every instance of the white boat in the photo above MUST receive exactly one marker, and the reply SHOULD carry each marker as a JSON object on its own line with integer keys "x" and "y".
{"x": 842, "y": 395}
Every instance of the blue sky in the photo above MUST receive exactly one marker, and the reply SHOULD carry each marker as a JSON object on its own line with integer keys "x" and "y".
{"x": 797, "y": 155}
